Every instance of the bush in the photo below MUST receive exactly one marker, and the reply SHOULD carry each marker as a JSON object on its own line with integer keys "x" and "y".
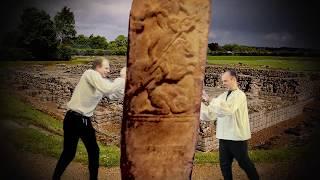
{"x": 88, "y": 52}
{"x": 64, "y": 52}
{"x": 120, "y": 51}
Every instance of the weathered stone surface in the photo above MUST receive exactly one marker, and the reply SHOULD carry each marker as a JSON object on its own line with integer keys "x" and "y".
{"x": 167, "y": 53}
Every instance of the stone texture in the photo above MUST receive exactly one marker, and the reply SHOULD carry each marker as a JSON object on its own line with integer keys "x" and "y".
{"x": 167, "y": 53}
{"x": 298, "y": 85}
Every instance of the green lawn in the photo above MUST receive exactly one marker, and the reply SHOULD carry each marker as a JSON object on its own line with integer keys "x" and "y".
{"x": 74, "y": 60}
{"x": 273, "y": 62}
{"x": 32, "y": 140}
{"x": 37, "y": 141}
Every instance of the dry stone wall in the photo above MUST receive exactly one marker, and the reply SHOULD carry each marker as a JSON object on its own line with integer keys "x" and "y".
{"x": 268, "y": 82}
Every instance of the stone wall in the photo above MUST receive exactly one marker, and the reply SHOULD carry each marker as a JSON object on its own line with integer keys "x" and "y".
{"x": 299, "y": 85}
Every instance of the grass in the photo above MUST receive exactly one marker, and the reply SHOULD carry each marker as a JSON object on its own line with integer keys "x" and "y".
{"x": 22, "y": 113}
{"x": 272, "y": 155}
{"x": 273, "y": 62}
{"x": 36, "y": 141}
{"x": 74, "y": 60}
{"x": 32, "y": 140}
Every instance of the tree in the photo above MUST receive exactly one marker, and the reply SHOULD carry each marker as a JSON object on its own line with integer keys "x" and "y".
{"x": 231, "y": 47}
{"x": 65, "y": 25}
{"x": 118, "y": 46}
{"x": 213, "y": 46}
{"x": 37, "y": 33}
{"x": 98, "y": 42}
{"x": 121, "y": 41}
{"x": 81, "y": 42}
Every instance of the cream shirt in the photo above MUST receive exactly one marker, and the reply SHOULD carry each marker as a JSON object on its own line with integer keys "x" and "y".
{"x": 90, "y": 90}
{"x": 231, "y": 114}
{"x": 120, "y": 93}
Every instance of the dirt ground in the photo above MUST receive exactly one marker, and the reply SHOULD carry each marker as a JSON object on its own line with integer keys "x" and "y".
{"x": 39, "y": 167}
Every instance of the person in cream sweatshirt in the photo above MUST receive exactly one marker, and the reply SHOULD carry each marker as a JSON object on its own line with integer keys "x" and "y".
{"x": 91, "y": 88}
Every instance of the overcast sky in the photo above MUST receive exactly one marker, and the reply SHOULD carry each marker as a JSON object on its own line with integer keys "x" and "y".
{"x": 272, "y": 23}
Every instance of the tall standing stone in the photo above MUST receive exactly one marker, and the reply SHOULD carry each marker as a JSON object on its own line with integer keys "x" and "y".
{"x": 166, "y": 58}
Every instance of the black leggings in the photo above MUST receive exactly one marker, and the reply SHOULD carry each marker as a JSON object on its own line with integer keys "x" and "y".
{"x": 76, "y": 126}
{"x": 239, "y": 150}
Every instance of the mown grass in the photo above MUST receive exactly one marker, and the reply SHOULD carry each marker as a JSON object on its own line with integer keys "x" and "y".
{"x": 37, "y": 141}
{"x": 74, "y": 60}
{"x": 273, "y": 62}
{"x": 23, "y": 113}
{"x": 272, "y": 155}
{"x": 32, "y": 140}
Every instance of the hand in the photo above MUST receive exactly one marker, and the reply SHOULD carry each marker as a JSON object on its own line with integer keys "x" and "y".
{"x": 205, "y": 96}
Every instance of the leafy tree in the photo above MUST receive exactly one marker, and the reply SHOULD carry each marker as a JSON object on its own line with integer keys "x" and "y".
{"x": 81, "y": 42}
{"x": 119, "y": 45}
{"x": 121, "y": 40}
{"x": 65, "y": 25}
{"x": 230, "y": 47}
{"x": 98, "y": 42}
{"x": 37, "y": 33}
{"x": 213, "y": 46}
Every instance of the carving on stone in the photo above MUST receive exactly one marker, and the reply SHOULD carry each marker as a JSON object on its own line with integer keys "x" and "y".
{"x": 164, "y": 67}
{"x": 166, "y": 57}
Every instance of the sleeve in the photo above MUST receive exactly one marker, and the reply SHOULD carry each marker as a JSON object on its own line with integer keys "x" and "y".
{"x": 119, "y": 94}
{"x": 212, "y": 112}
{"x": 205, "y": 115}
{"x": 229, "y": 108}
{"x": 101, "y": 84}
{"x": 206, "y": 112}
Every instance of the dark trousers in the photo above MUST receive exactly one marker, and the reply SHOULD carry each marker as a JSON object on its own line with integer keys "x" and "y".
{"x": 239, "y": 150}
{"x": 76, "y": 126}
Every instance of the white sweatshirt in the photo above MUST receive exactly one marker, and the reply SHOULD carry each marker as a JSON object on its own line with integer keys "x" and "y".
{"x": 231, "y": 114}
{"x": 90, "y": 90}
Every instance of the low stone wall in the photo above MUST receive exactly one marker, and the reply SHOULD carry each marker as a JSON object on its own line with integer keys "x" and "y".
{"x": 262, "y": 120}
{"x": 299, "y": 85}
{"x": 258, "y": 121}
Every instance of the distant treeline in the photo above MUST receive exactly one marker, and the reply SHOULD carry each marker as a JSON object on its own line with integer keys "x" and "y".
{"x": 215, "y": 49}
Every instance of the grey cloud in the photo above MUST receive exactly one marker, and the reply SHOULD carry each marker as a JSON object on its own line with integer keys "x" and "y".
{"x": 251, "y": 22}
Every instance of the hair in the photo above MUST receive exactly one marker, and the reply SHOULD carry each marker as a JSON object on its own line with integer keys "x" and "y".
{"x": 232, "y": 73}
{"x": 98, "y": 62}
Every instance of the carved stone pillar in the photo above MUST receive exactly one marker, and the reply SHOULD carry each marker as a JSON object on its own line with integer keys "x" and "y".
{"x": 166, "y": 59}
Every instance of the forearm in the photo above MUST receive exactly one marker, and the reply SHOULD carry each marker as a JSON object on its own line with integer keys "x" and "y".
{"x": 219, "y": 108}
